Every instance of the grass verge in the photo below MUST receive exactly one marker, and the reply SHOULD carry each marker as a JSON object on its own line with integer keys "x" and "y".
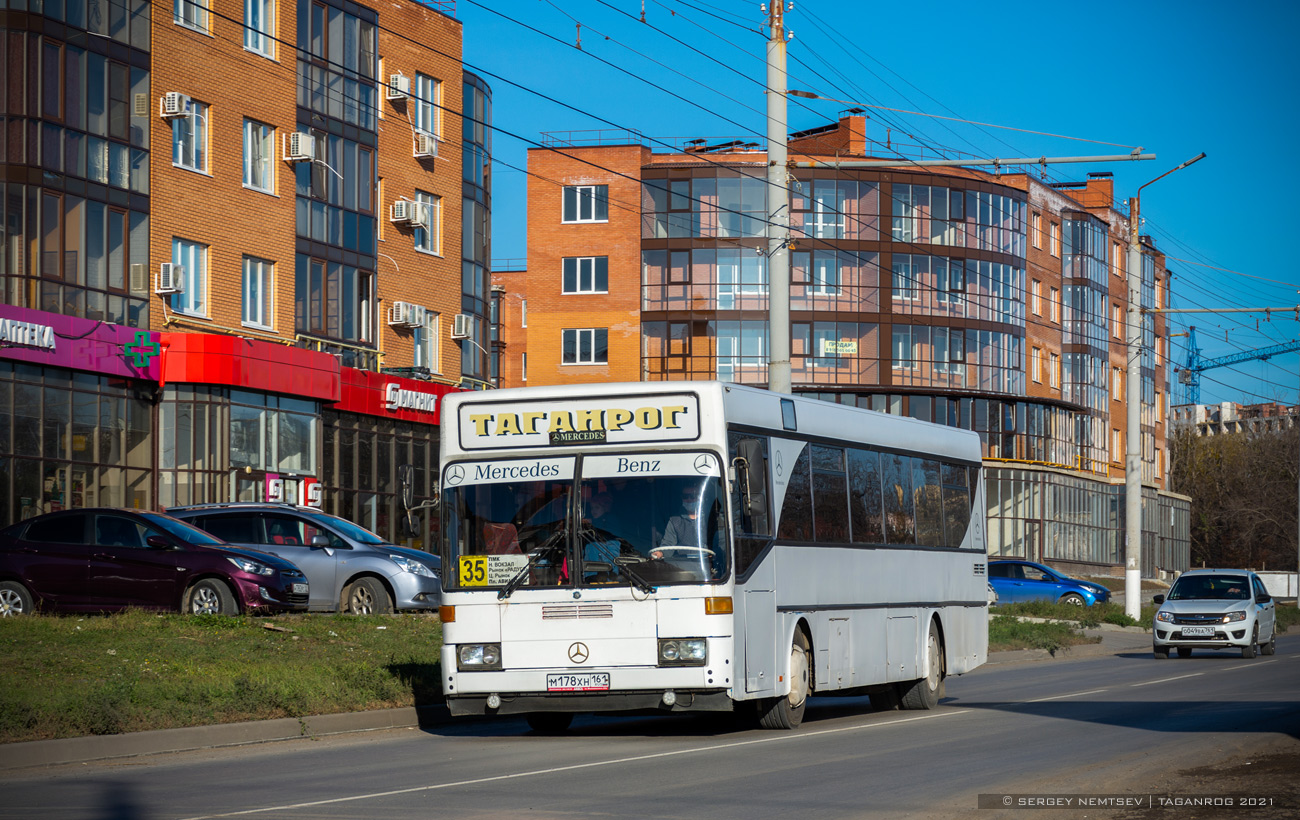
{"x": 1088, "y": 617}
{"x": 99, "y": 675}
{"x": 1006, "y": 632}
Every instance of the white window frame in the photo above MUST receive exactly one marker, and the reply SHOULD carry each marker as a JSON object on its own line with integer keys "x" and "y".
{"x": 1037, "y": 230}
{"x": 427, "y": 101}
{"x": 1036, "y": 365}
{"x": 1036, "y": 295}
{"x": 1054, "y": 371}
{"x": 523, "y": 373}
{"x": 588, "y": 333}
{"x": 191, "y": 153}
{"x": 583, "y": 268}
{"x": 428, "y": 238}
{"x": 585, "y": 198}
{"x": 191, "y": 14}
{"x": 426, "y": 339}
{"x": 1056, "y": 239}
{"x": 1117, "y": 383}
{"x": 259, "y": 156}
{"x": 193, "y": 256}
{"x": 259, "y": 27}
{"x": 257, "y": 280}
{"x": 1054, "y": 305}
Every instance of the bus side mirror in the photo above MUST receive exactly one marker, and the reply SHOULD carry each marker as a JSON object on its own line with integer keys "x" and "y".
{"x": 405, "y": 479}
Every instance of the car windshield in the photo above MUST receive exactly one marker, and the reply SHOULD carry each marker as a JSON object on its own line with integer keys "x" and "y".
{"x": 638, "y": 520}
{"x": 1211, "y": 587}
{"x": 359, "y": 534}
{"x": 185, "y": 532}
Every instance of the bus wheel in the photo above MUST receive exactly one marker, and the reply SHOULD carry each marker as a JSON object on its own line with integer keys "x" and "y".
{"x": 549, "y": 723}
{"x": 787, "y": 712}
{"x": 924, "y": 693}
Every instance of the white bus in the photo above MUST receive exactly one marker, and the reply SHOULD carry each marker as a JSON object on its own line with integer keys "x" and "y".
{"x": 702, "y": 546}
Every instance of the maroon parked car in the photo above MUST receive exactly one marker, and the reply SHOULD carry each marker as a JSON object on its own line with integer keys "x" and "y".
{"x": 98, "y": 560}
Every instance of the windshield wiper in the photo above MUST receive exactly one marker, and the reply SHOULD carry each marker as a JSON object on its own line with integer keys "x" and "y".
{"x": 608, "y": 554}
{"x": 514, "y": 583}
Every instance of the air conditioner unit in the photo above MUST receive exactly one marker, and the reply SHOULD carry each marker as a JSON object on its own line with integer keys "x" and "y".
{"x": 399, "y": 86}
{"x": 406, "y": 212}
{"x": 171, "y": 278}
{"x": 301, "y": 148}
{"x": 426, "y": 145}
{"x": 173, "y": 104}
{"x": 141, "y": 105}
{"x": 460, "y": 326}
{"x": 139, "y": 282}
{"x": 418, "y": 315}
{"x": 399, "y": 315}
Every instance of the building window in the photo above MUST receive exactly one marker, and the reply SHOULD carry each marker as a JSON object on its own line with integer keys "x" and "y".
{"x": 334, "y": 300}
{"x": 190, "y": 137}
{"x": 1054, "y": 304}
{"x": 1117, "y": 383}
{"x": 191, "y": 13}
{"x": 1036, "y": 293}
{"x": 586, "y": 274}
{"x": 523, "y": 313}
{"x": 586, "y": 346}
{"x": 1056, "y": 239}
{"x": 259, "y": 145}
{"x": 259, "y": 26}
{"x": 258, "y": 277}
{"x": 1117, "y": 321}
{"x": 904, "y": 357}
{"x": 1054, "y": 370}
{"x": 428, "y": 105}
{"x": 523, "y": 368}
{"x": 1037, "y": 231}
{"x": 426, "y": 343}
{"x": 428, "y": 234}
{"x": 1116, "y": 445}
{"x": 586, "y": 203}
{"x": 193, "y": 259}
{"x": 905, "y": 275}
{"x": 1036, "y": 364}
{"x": 1116, "y": 259}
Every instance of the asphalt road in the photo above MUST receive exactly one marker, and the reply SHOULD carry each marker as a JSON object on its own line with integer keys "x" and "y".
{"x": 1116, "y": 724}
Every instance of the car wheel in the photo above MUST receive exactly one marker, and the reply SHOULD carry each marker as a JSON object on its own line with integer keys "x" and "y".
{"x": 787, "y": 712}
{"x": 1161, "y": 652}
{"x": 1270, "y": 648}
{"x": 924, "y": 693}
{"x": 1248, "y": 651}
{"x": 1184, "y": 651}
{"x": 366, "y": 596}
{"x": 1072, "y": 598}
{"x": 210, "y": 597}
{"x": 15, "y": 600}
{"x": 549, "y": 723}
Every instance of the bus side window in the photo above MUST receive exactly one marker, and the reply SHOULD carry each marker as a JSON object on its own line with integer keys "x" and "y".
{"x": 750, "y": 496}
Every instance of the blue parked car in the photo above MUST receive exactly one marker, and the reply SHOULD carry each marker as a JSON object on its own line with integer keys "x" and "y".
{"x": 1019, "y": 581}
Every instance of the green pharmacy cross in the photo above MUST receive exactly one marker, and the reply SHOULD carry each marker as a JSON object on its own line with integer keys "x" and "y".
{"x": 142, "y": 349}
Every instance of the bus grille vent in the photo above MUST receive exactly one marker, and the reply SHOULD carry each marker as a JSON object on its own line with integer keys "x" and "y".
{"x": 570, "y": 612}
{"x": 979, "y": 570}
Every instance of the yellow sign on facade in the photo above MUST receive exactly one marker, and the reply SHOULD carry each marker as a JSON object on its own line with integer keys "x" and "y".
{"x": 834, "y": 347}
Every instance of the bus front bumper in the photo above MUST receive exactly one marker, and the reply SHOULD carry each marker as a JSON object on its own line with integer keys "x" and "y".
{"x": 518, "y": 703}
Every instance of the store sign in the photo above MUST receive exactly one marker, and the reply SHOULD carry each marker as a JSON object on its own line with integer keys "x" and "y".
{"x": 274, "y": 488}
{"x": 26, "y": 334}
{"x": 395, "y": 398}
{"x": 310, "y": 493}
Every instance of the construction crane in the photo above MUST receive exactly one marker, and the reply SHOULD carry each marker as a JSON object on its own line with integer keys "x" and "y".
{"x": 1189, "y": 375}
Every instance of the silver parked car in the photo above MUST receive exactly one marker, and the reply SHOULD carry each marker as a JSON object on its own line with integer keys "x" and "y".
{"x": 1215, "y": 609}
{"x": 349, "y": 568}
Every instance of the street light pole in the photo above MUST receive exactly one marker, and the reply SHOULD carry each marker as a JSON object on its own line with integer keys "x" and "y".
{"x": 1133, "y": 387}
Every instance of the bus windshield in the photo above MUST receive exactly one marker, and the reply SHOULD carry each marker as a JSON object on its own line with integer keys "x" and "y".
{"x": 644, "y": 520}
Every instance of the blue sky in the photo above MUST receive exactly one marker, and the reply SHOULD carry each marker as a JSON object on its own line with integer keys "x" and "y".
{"x": 1176, "y": 78}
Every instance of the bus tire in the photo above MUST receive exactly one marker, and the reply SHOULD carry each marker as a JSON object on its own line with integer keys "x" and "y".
{"x": 787, "y": 712}
{"x": 549, "y": 723}
{"x": 924, "y": 693}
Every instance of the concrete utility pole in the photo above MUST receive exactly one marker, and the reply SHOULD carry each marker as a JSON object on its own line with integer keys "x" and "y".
{"x": 1133, "y": 388}
{"x": 778, "y": 199}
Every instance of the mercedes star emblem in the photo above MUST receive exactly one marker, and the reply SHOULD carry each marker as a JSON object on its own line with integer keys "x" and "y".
{"x": 578, "y": 652}
{"x": 455, "y": 474}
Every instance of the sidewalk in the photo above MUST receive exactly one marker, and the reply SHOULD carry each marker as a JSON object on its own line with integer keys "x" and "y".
{"x": 37, "y": 753}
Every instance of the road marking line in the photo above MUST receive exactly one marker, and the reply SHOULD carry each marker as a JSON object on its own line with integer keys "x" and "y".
{"x": 575, "y": 767}
{"x": 1166, "y": 680}
{"x": 1073, "y": 695}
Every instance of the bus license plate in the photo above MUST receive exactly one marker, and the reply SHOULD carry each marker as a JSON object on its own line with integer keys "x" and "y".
{"x": 1198, "y": 632}
{"x": 579, "y": 682}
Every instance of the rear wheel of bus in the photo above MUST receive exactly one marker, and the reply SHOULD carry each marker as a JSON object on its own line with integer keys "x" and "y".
{"x": 924, "y": 693}
{"x": 787, "y": 712}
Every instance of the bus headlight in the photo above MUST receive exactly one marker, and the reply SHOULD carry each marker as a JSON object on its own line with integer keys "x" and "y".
{"x": 683, "y": 651}
{"x": 478, "y": 657}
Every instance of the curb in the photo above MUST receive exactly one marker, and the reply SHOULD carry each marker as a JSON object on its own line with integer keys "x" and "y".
{"x": 38, "y": 753}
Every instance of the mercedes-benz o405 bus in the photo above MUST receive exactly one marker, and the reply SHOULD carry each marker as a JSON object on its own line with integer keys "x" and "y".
{"x": 703, "y": 546}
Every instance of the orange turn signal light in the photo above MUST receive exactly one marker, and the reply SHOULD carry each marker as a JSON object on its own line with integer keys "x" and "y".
{"x": 718, "y": 606}
{"x": 447, "y": 614}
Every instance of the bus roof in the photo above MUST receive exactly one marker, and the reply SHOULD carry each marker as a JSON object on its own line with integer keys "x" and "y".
{"x": 719, "y": 404}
